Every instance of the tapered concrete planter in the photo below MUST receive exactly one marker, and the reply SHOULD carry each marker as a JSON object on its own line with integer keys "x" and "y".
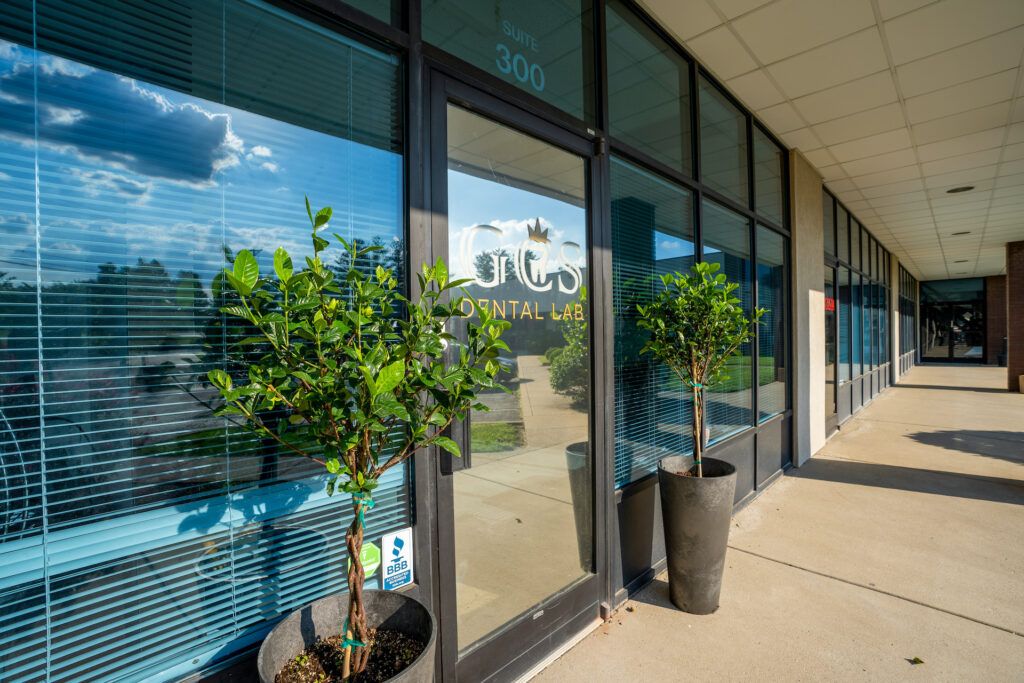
{"x": 325, "y": 617}
{"x": 577, "y": 459}
{"x": 696, "y": 513}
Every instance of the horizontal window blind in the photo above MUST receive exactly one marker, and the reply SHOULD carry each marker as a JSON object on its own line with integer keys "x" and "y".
{"x": 652, "y": 234}
{"x": 727, "y": 243}
{"x": 142, "y": 145}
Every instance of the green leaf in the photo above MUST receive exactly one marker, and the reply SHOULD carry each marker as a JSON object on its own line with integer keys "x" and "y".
{"x": 309, "y": 211}
{"x": 282, "y": 264}
{"x": 246, "y": 269}
{"x": 390, "y": 377}
{"x": 238, "y": 285}
{"x": 449, "y": 445}
{"x": 219, "y": 378}
{"x": 322, "y": 217}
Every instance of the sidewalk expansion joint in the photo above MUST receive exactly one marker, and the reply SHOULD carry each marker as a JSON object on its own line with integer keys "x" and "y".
{"x": 879, "y": 590}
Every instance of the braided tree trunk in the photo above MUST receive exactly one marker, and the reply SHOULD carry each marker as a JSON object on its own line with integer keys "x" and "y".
{"x": 356, "y": 656}
{"x": 698, "y": 429}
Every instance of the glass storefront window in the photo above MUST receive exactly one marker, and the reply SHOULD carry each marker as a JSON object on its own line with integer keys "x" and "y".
{"x": 648, "y": 90}
{"x": 389, "y": 11}
{"x": 544, "y": 47}
{"x": 723, "y": 144}
{"x": 842, "y": 234}
{"x": 857, "y": 328}
{"x": 652, "y": 234}
{"x": 727, "y": 242}
{"x": 772, "y": 286}
{"x": 830, "y": 341}
{"x": 855, "y": 250}
{"x": 845, "y": 357}
{"x": 769, "y": 170}
{"x": 828, "y": 222}
{"x": 520, "y": 238}
{"x": 142, "y": 145}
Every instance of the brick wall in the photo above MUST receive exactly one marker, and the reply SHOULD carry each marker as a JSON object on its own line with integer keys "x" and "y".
{"x": 1015, "y": 312}
{"x": 995, "y": 317}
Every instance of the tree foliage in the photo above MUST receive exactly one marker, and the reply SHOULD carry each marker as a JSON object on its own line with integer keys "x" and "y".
{"x": 570, "y": 364}
{"x": 696, "y": 323}
{"x": 363, "y": 374}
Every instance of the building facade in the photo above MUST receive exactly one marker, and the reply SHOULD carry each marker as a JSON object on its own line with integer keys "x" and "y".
{"x": 561, "y": 155}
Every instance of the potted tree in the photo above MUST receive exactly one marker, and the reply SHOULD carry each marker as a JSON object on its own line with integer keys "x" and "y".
{"x": 696, "y": 323}
{"x": 358, "y": 377}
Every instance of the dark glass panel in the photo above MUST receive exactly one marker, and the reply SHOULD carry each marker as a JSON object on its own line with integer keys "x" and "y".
{"x": 769, "y": 175}
{"x": 828, "y": 222}
{"x": 544, "y": 47}
{"x": 723, "y": 144}
{"x": 648, "y": 90}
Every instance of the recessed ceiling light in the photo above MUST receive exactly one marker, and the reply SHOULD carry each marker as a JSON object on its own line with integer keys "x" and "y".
{"x": 962, "y": 232}
{"x": 963, "y": 260}
{"x": 958, "y": 190}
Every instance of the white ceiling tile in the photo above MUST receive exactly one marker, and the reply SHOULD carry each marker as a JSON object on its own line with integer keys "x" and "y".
{"x": 864, "y": 93}
{"x": 960, "y": 177}
{"x": 964, "y": 97}
{"x": 861, "y": 207}
{"x": 894, "y": 188}
{"x": 832, "y": 173}
{"x": 889, "y": 178}
{"x": 1016, "y": 134}
{"x": 837, "y": 62}
{"x": 803, "y": 139}
{"x": 892, "y": 8}
{"x": 843, "y": 185}
{"x": 966, "y": 122}
{"x": 722, "y": 53}
{"x": 899, "y": 199}
{"x": 881, "y": 162}
{"x": 861, "y": 125}
{"x": 781, "y": 118}
{"x": 820, "y": 158}
{"x": 948, "y": 24}
{"x": 734, "y": 8}
{"x": 968, "y": 62}
{"x": 899, "y": 211}
{"x": 788, "y": 27}
{"x": 1011, "y": 167}
{"x": 683, "y": 18}
{"x": 755, "y": 89}
{"x": 964, "y": 161}
{"x": 1013, "y": 152}
{"x": 975, "y": 142}
{"x": 870, "y": 146}
{"x": 1017, "y": 115}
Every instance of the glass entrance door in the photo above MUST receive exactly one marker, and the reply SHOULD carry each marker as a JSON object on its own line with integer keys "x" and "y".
{"x": 520, "y": 557}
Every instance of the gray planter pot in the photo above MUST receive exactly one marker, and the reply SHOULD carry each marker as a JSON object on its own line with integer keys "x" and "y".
{"x": 696, "y": 514}
{"x": 325, "y": 617}
{"x": 577, "y": 458}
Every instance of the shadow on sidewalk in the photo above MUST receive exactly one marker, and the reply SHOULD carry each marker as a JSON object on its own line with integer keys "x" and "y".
{"x": 989, "y": 390}
{"x": 1001, "y": 444}
{"x": 937, "y": 482}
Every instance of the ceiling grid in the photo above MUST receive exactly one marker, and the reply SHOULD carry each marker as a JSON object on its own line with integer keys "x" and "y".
{"x": 895, "y": 102}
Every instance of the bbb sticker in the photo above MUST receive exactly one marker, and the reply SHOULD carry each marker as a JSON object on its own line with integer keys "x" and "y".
{"x": 397, "y": 559}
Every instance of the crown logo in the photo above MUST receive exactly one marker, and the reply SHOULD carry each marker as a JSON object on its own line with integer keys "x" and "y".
{"x": 536, "y": 234}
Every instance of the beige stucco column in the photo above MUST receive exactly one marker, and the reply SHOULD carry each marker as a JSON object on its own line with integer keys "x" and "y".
{"x": 808, "y": 259}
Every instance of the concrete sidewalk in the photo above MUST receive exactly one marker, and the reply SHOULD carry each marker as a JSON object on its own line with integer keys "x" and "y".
{"x": 902, "y": 538}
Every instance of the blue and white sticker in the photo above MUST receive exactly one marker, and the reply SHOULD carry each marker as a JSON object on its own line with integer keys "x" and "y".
{"x": 397, "y": 559}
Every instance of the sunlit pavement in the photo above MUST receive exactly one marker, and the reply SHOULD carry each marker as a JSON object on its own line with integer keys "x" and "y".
{"x": 903, "y": 538}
